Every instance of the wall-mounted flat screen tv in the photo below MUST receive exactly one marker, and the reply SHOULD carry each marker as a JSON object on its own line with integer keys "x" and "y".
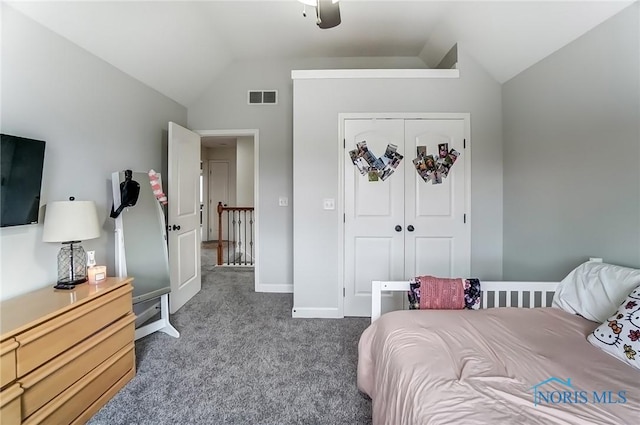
{"x": 21, "y": 164}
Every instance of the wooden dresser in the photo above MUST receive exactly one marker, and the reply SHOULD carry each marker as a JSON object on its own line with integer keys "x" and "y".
{"x": 64, "y": 354}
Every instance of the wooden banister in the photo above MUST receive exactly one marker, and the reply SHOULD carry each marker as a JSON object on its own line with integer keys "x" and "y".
{"x": 220, "y": 210}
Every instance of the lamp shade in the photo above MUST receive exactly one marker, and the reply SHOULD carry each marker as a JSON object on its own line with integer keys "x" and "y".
{"x": 67, "y": 221}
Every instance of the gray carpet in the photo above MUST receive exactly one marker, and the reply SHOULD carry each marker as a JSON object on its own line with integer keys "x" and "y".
{"x": 242, "y": 359}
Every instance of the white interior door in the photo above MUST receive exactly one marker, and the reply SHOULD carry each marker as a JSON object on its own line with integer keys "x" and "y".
{"x": 184, "y": 215}
{"x": 374, "y": 249}
{"x": 439, "y": 244}
{"x": 218, "y": 192}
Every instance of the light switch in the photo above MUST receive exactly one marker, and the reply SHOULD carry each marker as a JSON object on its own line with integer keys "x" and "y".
{"x": 329, "y": 204}
{"x": 283, "y": 201}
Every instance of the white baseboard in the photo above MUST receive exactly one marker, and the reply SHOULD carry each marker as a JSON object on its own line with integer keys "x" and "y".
{"x": 316, "y": 313}
{"x": 284, "y": 288}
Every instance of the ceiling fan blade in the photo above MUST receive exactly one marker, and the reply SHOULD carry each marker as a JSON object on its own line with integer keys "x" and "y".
{"x": 328, "y": 13}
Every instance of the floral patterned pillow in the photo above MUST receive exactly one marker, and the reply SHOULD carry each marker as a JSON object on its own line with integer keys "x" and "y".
{"x": 472, "y": 294}
{"x": 619, "y": 335}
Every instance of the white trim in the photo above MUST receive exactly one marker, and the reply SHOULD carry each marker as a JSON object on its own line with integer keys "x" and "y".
{"x": 278, "y": 288}
{"x": 204, "y": 173}
{"x": 316, "y": 313}
{"x": 228, "y": 133}
{"x": 308, "y": 74}
{"x": 403, "y": 115}
{"x": 469, "y": 181}
{"x": 342, "y": 117}
{"x": 255, "y": 133}
{"x": 377, "y": 287}
{"x": 340, "y": 203}
{"x": 214, "y": 208}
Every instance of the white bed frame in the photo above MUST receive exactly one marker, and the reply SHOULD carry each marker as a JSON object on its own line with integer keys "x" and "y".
{"x": 491, "y": 294}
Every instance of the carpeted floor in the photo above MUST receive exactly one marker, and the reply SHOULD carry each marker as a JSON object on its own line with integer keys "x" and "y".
{"x": 242, "y": 359}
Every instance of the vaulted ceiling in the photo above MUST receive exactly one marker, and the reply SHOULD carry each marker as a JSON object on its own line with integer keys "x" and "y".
{"x": 178, "y": 47}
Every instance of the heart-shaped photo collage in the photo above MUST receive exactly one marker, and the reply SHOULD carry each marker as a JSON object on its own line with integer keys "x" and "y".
{"x": 375, "y": 168}
{"x": 435, "y": 168}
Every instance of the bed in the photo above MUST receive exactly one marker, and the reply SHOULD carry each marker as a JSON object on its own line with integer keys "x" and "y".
{"x": 503, "y": 365}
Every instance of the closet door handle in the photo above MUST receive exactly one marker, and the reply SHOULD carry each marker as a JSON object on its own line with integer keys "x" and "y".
{"x": 176, "y": 227}
{"x": 398, "y": 228}
{"x": 410, "y": 228}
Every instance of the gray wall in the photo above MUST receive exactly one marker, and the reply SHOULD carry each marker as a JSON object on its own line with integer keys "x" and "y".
{"x": 571, "y": 155}
{"x": 95, "y": 120}
{"x": 245, "y": 176}
{"x": 224, "y": 106}
{"x": 317, "y": 105}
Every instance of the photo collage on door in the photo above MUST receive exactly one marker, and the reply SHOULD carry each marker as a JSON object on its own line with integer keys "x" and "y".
{"x": 434, "y": 168}
{"x": 375, "y": 168}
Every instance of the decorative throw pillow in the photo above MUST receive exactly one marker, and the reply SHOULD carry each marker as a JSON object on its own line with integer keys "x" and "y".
{"x": 471, "y": 288}
{"x": 619, "y": 335}
{"x": 594, "y": 290}
{"x": 472, "y": 294}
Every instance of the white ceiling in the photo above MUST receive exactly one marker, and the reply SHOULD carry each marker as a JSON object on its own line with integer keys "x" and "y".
{"x": 178, "y": 47}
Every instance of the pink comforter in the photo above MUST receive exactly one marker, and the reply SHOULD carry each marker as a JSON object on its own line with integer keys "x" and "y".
{"x": 480, "y": 367}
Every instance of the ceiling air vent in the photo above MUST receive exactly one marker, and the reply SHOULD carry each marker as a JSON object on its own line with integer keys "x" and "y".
{"x": 263, "y": 97}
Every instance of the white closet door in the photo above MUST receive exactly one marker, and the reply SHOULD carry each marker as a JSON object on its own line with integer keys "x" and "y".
{"x": 434, "y": 236}
{"x": 439, "y": 245}
{"x": 374, "y": 249}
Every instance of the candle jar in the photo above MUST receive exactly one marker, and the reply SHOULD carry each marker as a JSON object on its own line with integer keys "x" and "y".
{"x": 97, "y": 274}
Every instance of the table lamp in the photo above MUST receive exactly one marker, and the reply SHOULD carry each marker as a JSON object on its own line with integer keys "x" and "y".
{"x": 71, "y": 222}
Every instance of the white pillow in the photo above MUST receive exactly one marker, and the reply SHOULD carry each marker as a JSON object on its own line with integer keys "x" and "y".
{"x": 619, "y": 335}
{"x": 595, "y": 290}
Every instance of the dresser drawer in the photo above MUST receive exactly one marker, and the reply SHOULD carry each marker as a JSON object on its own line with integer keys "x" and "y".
{"x": 10, "y": 405}
{"x": 8, "y": 361}
{"x": 48, "y": 381}
{"x": 104, "y": 398}
{"x": 71, "y": 403}
{"x": 41, "y": 344}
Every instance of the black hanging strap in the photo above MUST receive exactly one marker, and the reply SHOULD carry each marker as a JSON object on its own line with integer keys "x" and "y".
{"x": 129, "y": 192}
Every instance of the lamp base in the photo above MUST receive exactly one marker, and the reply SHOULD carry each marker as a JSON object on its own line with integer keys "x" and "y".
{"x": 65, "y": 286}
{"x": 72, "y": 264}
{"x": 72, "y": 282}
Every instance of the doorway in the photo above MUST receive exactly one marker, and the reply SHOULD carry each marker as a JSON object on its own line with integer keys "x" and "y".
{"x": 230, "y": 168}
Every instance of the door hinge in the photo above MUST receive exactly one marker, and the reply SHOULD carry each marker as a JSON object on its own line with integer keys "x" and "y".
{"x": 344, "y": 218}
{"x": 464, "y": 143}
{"x": 464, "y": 218}
{"x": 344, "y": 292}
{"x": 344, "y": 143}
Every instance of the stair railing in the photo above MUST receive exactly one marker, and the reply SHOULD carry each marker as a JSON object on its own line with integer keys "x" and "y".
{"x": 239, "y": 236}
